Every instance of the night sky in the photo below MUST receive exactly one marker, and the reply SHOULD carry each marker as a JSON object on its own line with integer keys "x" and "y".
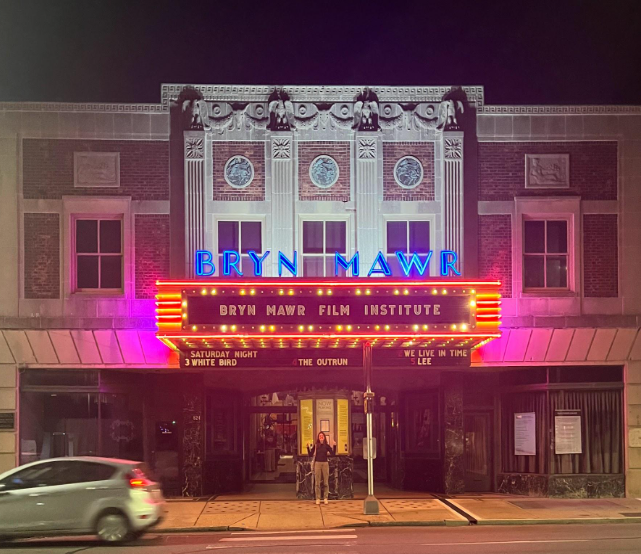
{"x": 537, "y": 52}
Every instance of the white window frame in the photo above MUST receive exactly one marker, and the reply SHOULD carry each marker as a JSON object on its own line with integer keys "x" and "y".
{"x": 241, "y": 219}
{"x": 74, "y": 262}
{"x": 97, "y": 207}
{"x": 545, "y": 254}
{"x": 433, "y": 267}
{"x": 550, "y": 209}
{"x": 324, "y": 218}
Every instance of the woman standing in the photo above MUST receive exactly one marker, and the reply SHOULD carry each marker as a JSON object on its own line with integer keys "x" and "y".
{"x": 320, "y": 463}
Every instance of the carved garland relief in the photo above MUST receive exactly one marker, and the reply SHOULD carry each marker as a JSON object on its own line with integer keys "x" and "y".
{"x": 547, "y": 171}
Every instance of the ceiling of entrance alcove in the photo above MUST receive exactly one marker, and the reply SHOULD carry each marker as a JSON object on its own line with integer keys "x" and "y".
{"x": 262, "y": 381}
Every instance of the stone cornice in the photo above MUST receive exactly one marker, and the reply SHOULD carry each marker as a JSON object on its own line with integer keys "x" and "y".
{"x": 560, "y": 110}
{"x": 259, "y": 93}
{"x": 80, "y": 107}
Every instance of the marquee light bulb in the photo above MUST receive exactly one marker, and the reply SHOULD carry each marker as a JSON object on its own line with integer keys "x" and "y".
{"x": 204, "y": 291}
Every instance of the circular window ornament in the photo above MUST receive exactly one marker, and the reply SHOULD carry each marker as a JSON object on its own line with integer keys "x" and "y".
{"x": 408, "y": 172}
{"x": 323, "y": 171}
{"x": 239, "y": 172}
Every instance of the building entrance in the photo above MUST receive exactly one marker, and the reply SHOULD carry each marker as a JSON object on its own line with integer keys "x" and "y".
{"x": 477, "y": 429}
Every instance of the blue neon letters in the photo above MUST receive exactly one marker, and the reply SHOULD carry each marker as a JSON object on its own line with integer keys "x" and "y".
{"x": 414, "y": 264}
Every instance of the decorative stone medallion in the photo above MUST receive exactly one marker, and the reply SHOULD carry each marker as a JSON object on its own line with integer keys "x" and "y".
{"x": 323, "y": 171}
{"x": 366, "y": 148}
{"x": 194, "y": 148}
{"x": 282, "y": 148}
{"x": 453, "y": 149}
{"x": 408, "y": 172}
{"x": 239, "y": 172}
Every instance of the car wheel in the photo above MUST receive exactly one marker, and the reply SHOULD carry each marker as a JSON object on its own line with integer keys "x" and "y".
{"x": 113, "y": 528}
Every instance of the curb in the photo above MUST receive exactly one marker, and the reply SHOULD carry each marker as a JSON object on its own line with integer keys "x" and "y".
{"x": 442, "y": 523}
{"x": 565, "y": 521}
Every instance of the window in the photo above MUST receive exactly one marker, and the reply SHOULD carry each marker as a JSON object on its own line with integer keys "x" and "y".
{"x": 545, "y": 254}
{"x": 321, "y": 241}
{"x": 407, "y": 237}
{"x": 240, "y": 236}
{"x": 98, "y": 254}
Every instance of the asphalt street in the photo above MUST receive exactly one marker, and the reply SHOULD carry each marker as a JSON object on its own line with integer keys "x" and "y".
{"x": 539, "y": 539}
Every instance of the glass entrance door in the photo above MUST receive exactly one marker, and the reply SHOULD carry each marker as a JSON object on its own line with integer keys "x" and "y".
{"x": 478, "y": 449}
{"x": 273, "y": 443}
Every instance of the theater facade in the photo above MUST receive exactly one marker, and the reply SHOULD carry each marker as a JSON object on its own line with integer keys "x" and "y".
{"x": 202, "y": 284}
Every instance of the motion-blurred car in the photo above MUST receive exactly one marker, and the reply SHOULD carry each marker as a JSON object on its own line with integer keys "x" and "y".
{"x": 115, "y": 499}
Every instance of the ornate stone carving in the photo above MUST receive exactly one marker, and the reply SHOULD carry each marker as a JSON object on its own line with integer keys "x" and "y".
{"x": 425, "y": 116}
{"x": 452, "y": 148}
{"x": 281, "y": 112}
{"x": 282, "y": 148}
{"x": 194, "y": 148}
{"x": 547, "y": 171}
{"x": 366, "y": 111}
{"x": 323, "y": 171}
{"x": 408, "y": 172}
{"x": 195, "y": 114}
{"x": 239, "y": 172}
{"x": 96, "y": 169}
{"x": 447, "y": 116}
{"x": 367, "y": 148}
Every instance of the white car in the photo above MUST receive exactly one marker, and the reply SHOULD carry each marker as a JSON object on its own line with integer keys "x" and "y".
{"x": 112, "y": 498}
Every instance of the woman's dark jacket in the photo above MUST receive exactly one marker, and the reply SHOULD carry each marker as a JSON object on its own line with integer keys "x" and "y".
{"x": 323, "y": 450}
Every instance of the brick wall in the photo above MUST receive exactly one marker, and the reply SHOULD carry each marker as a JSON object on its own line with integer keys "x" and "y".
{"x": 41, "y": 255}
{"x": 600, "y": 255}
{"x": 151, "y": 252}
{"x": 307, "y": 152}
{"x": 593, "y": 169}
{"x": 424, "y": 153}
{"x": 495, "y": 250}
{"x": 48, "y": 168}
{"x": 254, "y": 151}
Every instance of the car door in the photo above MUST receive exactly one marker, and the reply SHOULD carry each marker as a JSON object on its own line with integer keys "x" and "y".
{"x": 22, "y": 493}
{"x": 81, "y": 486}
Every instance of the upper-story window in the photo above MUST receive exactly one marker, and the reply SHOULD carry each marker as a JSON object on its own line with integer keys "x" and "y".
{"x": 407, "y": 237}
{"x": 240, "y": 236}
{"x": 321, "y": 241}
{"x": 98, "y": 254}
{"x": 545, "y": 254}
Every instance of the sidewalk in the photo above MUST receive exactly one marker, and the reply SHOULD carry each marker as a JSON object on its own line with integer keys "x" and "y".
{"x": 222, "y": 514}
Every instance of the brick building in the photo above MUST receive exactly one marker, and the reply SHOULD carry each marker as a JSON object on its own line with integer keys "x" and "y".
{"x": 98, "y": 201}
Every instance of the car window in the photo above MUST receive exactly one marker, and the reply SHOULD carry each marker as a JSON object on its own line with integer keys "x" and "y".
{"x": 84, "y": 472}
{"x": 40, "y": 475}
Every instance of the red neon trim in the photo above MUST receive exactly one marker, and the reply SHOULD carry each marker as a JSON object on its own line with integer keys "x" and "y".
{"x": 488, "y": 316}
{"x": 266, "y": 335}
{"x": 346, "y": 283}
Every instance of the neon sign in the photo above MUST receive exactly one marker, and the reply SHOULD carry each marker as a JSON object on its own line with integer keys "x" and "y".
{"x": 414, "y": 264}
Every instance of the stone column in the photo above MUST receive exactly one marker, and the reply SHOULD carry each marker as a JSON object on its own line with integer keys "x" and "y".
{"x": 454, "y": 451}
{"x": 368, "y": 195}
{"x": 283, "y": 165}
{"x": 452, "y": 204}
{"x": 632, "y": 408}
{"x": 194, "y": 197}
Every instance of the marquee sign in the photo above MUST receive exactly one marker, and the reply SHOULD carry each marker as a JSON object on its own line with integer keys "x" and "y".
{"x": 416, "y": 264}
{"x": 273, "y": 312}
{"x": 322, "y": 358}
